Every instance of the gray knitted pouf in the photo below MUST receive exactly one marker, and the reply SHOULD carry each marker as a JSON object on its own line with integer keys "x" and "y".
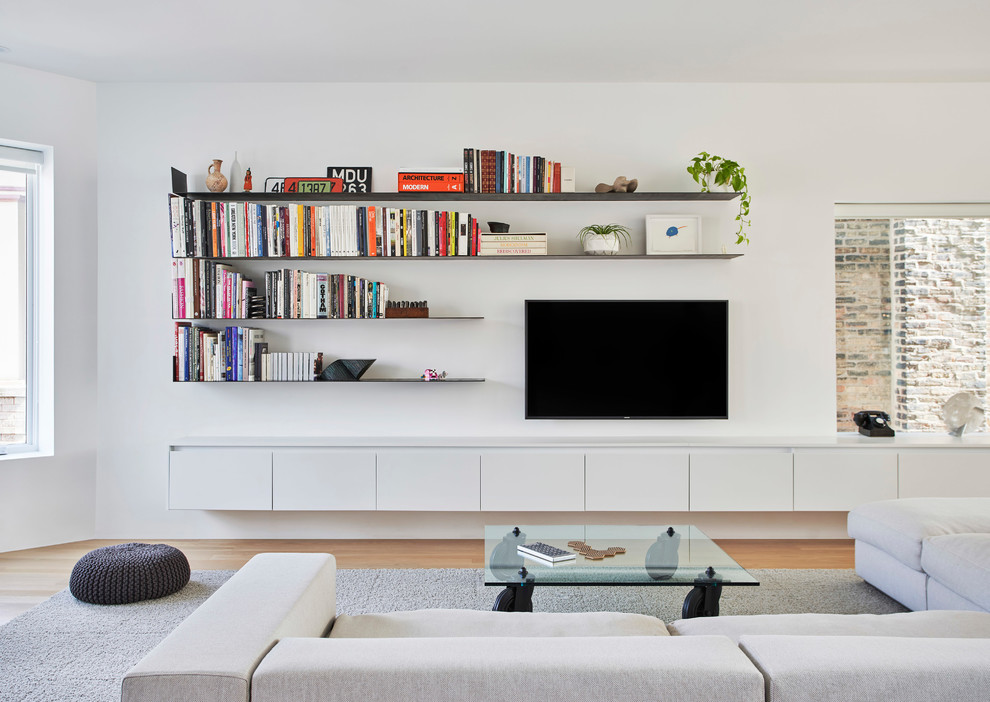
{"x": 129, "y": 573}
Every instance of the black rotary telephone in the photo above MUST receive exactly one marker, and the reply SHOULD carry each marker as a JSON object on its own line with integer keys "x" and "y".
{"x": 873, "y": 423}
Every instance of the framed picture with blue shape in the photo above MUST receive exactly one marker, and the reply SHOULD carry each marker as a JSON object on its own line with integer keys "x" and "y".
{"x": 673, "y": 234}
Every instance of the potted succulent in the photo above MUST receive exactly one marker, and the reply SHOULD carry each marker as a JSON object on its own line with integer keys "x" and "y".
{"x": 714, "y": 171}
{"x": 603, "y": 239}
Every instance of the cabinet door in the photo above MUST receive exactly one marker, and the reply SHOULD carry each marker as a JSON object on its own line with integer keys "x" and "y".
{"x": 323, "y": 479}
{"x": 532, "y": 481}
{"x": 737, "y": 481}
{"x": 640, "y": 481}
{"x": 938, "y": 473}
{"x": 429, "y": 480}
{"x": 208, "y": 478}
{"x": 840, "y": 480}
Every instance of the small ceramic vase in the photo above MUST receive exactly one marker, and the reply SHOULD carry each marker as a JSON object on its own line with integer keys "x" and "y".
{"x": 216, "y": 182}
{"x": 236, "y": 175}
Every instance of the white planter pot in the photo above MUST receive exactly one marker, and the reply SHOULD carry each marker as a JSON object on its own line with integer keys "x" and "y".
{"x": 600, "y": 246}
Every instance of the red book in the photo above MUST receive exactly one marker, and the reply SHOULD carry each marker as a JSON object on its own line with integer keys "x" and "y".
{"x": 487, "y": 171}
{"x": 431, "y": 182}
{"x": 372, "y": 251}
{"x": 556, "y": 177}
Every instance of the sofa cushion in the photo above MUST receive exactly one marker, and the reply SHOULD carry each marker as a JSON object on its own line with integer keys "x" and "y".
{"x": 495, "y": 669}
{"x": 468, "y": 622}
{"x": 843, "y": 668}
{"x": 899, "y": 526}
{"x": 936, "y": 624}
{"x": 961, "y": 562}
{"x": 881, "y": 570}
{"x": 941, "y": 597}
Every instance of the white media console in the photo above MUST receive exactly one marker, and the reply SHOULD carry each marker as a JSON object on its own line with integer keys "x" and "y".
{"x": 537, "y": 474}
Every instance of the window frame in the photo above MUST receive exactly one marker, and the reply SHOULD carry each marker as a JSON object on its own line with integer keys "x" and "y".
{"x": 906, "y": 210}
{"x": 36, "y": 159}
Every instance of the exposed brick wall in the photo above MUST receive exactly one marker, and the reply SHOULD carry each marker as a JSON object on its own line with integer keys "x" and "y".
{"x": 939, "y": 330}
{"x": 940, "y": 285}
{"x": 12, "y": 405}
{"x": 862, "y": 318}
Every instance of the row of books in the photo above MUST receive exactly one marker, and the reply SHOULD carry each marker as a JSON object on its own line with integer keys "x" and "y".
{"x": 496, "y": 171}
{"x": 519, "y": 244}
{"x": 204, "y": 354}
{"x": 302, "y": 366}
{"x": 236, "y": 354}
{"x": 203, "y": 289}
{"x": 294, "y": 294}
{"x": 204, "y": 228}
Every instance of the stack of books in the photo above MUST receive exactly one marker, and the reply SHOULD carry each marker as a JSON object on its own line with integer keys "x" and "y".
{"x": 519, "y": 244}
{"x": 497, "y": 171}
{"x": 202, "y": 228}
{"x": 430, "y": 180}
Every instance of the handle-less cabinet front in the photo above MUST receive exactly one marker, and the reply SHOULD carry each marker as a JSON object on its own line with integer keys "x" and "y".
{"x": 636, "y": 481}
{"x": 323, "y": 479}
{"x": 838, "y": 481}
{"x": 937, "y": 473}
{"x": 235, "y": 479}
{"x": 742, "y": 481}
{"x": 428, "y": 480}
{"x": 532, "y": 481}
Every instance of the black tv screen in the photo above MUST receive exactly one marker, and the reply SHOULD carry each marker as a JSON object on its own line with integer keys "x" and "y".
{"x": 627, "y": 359}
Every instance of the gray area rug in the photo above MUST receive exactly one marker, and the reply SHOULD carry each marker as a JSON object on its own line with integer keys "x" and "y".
{"x": 64, "y": 649}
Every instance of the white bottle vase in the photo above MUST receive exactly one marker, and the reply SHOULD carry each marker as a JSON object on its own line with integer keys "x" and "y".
{"x": 236, "y": 176}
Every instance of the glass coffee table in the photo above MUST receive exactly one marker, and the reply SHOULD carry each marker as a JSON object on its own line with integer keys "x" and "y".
{"x": 677, "y": 555}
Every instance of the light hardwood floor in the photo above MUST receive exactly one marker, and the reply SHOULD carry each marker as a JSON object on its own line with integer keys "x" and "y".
{"x": 30, "y": 576}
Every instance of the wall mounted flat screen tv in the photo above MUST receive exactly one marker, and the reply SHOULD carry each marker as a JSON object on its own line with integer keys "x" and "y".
{"x": 627, "y": 359}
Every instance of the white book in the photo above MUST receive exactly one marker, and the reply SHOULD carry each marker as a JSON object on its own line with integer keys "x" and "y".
{"x": 293, "y": 232}
{"x": 178, "y": 231}
{"x": 352, "y": 219}
{"x": 545, "y": 552}
{"x": 175, "y": 288}
{"x": 414, "y": 232}
{"x": 462, "y": 234}
{"x": 235, "y": 244}
{"x": 198, "y": 228}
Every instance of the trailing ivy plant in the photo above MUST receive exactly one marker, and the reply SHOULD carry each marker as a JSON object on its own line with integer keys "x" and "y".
{"x": 709, "y": 170}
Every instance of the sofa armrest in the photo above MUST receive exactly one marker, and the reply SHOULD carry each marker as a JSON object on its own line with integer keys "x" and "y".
{"x": 842, "y": 668}
{"x": 495, "y": 669}
{"x": 211, "y": 656}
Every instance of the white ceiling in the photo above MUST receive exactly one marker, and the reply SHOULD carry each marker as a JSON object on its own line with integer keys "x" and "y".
{"x": 501, "y": 40}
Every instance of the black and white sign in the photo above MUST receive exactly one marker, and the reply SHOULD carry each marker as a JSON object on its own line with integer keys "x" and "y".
{"x": 357, "y": 179}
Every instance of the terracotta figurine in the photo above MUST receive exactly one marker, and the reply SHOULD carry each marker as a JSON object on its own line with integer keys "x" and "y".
{"x": 247, "y": 181}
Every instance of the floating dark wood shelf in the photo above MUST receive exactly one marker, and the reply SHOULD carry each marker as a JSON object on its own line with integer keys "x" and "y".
{"x": 307, "y": 319}
{"x": 462, "y": 197}
{"x": 567, "y": 257}
{"x": 324, "y": 382}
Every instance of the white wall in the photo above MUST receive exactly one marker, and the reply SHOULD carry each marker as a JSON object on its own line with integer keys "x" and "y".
{"x": 804, "y": 147}
{"x": 51, "y": 499}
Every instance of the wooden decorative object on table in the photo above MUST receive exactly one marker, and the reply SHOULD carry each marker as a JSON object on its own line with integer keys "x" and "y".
{"x": 595, "y": 554}
{"x": 408, "y": 312}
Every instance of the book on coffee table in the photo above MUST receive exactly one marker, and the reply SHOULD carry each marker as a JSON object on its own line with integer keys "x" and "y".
{"x": 545, "y": 552}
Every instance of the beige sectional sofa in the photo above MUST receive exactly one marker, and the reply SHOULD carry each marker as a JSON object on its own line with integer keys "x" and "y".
{"x": 271, "y": 634}
{"x": 926, "y": 553}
